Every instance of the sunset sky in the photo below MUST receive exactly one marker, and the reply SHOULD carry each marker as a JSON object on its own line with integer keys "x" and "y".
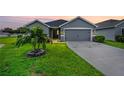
{"x": 17, "y": 21}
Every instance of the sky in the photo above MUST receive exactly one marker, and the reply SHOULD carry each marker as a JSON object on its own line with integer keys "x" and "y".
{"x": 18, "y": 21}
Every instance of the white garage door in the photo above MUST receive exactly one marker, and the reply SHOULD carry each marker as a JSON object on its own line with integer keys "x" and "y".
{"x": 77, "y": 34}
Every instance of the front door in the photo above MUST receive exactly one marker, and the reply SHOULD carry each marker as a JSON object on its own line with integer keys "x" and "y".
{"x": 55, "y": 34}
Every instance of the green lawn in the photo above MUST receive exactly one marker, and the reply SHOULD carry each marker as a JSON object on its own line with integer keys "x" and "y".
{"x": 114, "y": 44}
{"x": 58, "y": 61}
{"x": 7, "y": 40}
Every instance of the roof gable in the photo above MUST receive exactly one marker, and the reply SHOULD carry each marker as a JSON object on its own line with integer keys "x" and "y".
{"x": 120, "y": 23}
{"x": 109, "y": 23}
{"x": 56, "y": 23}
{"x": 36, "y": 21}
{"x": 78, "y": 18}
{"x": 106, "y": 23}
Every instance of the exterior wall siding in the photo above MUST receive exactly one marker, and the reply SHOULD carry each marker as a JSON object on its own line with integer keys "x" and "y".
{"x": 108, "y": 33}
{"x": 45, "y": 28}
{"x": 78, "y": 23}
{"x": 121, "y": 26}
{"x": 118, "y": 31}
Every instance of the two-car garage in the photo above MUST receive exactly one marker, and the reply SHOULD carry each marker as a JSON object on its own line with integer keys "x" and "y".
{"x": 78, "y": 34}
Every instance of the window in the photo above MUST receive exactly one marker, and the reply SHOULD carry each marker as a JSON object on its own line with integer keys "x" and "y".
{"x": 122, "y": 31}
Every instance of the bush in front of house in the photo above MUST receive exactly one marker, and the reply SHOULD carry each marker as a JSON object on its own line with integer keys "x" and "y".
{"x": 119, "y": 38}
{"x": 99, "y": 39}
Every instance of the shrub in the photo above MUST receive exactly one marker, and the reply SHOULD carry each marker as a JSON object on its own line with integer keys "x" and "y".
{"x": 99, "y": 39}
{"x": 119, "y": 38}
{"x": 22, "y": 30}
{"x": 122, "y": 39}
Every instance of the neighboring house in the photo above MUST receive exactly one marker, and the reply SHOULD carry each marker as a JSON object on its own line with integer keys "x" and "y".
{"x": 4, "y": 34}
{"x": 77, "y": 29}
{"x": 110, "y": 28}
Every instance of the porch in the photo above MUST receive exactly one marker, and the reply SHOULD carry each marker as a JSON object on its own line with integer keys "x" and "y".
{"x": 54, "y": 33}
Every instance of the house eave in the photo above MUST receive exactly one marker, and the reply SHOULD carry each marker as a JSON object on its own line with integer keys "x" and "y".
{"x": 105, "y": 28}
{"x": 54, "y": 27}
{"x": 119, "y": 24}
{"x": 81, "y": 19}
{"x": 37, "y": 21}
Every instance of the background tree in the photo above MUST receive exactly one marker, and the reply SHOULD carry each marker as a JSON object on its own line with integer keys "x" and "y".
{"x": 22, "y": 30}
{"x": 8, "y": 30}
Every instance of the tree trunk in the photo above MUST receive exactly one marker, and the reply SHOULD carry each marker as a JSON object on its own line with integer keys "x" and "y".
{"x": 38, "y": 45}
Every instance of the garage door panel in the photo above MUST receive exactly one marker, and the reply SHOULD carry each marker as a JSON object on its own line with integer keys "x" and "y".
{"x": 77, "y": 34}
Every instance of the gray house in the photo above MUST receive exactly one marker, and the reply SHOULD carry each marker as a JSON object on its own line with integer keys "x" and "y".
{"x": 110, "y": 28}
{"x": 77, "y": 29}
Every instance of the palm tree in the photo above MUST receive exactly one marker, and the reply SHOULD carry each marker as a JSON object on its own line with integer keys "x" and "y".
{"x": 36, "y": 37}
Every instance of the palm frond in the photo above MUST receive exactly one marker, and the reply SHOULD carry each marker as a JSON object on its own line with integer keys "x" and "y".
{"x": 34, "y": 36}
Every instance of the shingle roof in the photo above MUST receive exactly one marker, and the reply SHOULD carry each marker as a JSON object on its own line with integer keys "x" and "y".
{"x": 108, "y": 23}
{"x": 56, "y": 23}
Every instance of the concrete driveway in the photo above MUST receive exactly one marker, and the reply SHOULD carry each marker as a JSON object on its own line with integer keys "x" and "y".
{"x": 107, "y": 59}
